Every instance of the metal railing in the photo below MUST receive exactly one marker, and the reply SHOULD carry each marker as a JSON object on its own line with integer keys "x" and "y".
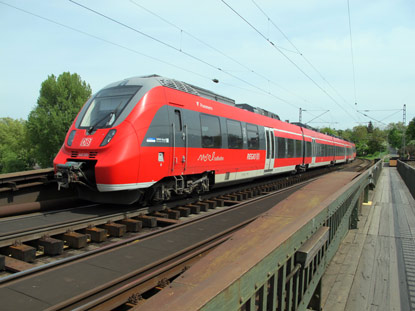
{"x": 290, "y": 254}
{"x": 296, "y": 285}
{"x": 407, "y": 173}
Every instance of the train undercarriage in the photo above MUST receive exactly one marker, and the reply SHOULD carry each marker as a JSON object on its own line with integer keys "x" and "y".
{"x": 81, "y": 176}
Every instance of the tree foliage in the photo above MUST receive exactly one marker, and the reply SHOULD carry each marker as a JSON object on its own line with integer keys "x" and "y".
{"x": 368, "y": 139}
{"x": 410, "y": 130}
{"x": 15, "y": 152}
{"x": 58, "y": 104}
{"x": 395, "y": 134}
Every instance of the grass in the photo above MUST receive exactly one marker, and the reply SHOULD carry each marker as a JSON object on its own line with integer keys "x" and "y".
{"x": 376, "y": 155}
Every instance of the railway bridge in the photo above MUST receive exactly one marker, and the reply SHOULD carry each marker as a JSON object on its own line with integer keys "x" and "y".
{"x": 338, "y": 241}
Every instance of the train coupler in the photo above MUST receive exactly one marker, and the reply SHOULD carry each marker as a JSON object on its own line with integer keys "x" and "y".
{"x": 67, "y": 173}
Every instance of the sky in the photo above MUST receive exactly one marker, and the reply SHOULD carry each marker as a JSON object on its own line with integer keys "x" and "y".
{"x": 277, "y": 55}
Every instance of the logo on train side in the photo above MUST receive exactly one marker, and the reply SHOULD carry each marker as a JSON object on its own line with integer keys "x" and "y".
{"x": 210, "y": 157}
{"x": 85, "y": 142}
{"x": 253, "y": 156}
{"x": 199, "y": 104}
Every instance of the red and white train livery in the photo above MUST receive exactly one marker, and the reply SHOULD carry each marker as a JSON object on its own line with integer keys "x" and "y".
{"x": 146, "y": 138}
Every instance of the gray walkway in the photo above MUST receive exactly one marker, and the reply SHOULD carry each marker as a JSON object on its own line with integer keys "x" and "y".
{"x": 374, "y": 268}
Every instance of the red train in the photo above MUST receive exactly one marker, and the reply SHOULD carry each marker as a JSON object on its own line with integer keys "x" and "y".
{"x": 147, "y": 138}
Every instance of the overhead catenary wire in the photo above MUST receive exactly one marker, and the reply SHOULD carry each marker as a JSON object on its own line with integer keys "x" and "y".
{"x": 391, "y": 115}
{"x": 182, "y": 31}
{"x": 286, "y": 57}
{"x": 181, "y": 51}
{"x": 371, "y": 117}
{"x": 122, "y": 46}
{"x": 302, "y": 54}
{"x": 104, "y": 40}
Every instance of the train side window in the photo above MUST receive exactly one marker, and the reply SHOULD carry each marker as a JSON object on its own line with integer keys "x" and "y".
{"x": 211, "y": 135}
{"x": 234, "y": 134}
{"x": 178, "y": 120}
{"x": 281, "y": 147}
{"x": 290, "y": 148}
{"x": 253, "y": 136}
{"x": 309, "y": 149}
{"x": 298, "y": 148}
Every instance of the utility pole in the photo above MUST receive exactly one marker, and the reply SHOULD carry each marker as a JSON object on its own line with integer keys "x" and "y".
{"x": 301, "y": 115}
{"x": 404, "y": 131}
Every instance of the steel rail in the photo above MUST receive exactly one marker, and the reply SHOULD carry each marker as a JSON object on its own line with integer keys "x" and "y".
{"x": 144, "y": 236}
{"x": 29, "y": 234}
{"x": 177, "y": 258}
{"x": 63, "y": 227}
{"x": 99, "y": 302}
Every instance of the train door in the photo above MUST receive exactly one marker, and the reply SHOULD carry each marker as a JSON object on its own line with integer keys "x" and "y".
{"x": 270, "y": 150}
{"x": 303, "y": 147}
{"x": 313, "y": 151}
{"x": 179, "y": 142}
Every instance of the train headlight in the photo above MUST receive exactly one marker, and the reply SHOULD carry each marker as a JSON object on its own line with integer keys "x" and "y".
{"x": 108, "y": 137}
{"x": 71, "y": 137}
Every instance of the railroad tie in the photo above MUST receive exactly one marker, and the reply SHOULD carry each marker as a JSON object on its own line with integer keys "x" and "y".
{"x": 148, "y": 221}
{"x": 51, "y": 246}
{"x": 74, "y": 239}
{"x": 133, "y": 225}
{"x": 97, "y": 235}
{"x": 115, "y": 229}
{"x": 212, "y": 204}
{"x": 21, "y": 252}
{"x": 184, "y": 211}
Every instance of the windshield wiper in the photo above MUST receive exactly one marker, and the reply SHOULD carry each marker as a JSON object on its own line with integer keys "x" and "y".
{"x": 107, "y": 116}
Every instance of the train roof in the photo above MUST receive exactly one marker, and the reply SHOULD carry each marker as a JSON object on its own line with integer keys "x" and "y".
{"x": 150, "y": 81}
{"x": 317, "y": 130}
{"x": 153, "y": 80}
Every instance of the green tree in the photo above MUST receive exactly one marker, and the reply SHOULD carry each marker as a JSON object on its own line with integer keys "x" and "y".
{"x": 15, "y": 153}
{"x": 395, "y": 134}
{"x": 346, "y": 134}
{"x": 360, "y": 137}
{"x": 410, "y": 130}
{"x": 410, "y": 148}
{"x": 376, "y": 141}
{"x": 370, "y": 127}
{"x": 329, "y": 131}
{"x": 58, "y": 104}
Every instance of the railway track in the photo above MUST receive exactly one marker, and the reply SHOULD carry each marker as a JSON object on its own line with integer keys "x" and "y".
{"x": 30, "y": 241}
{"x": 165, "y": 253}
{"x": 71, "y": 233}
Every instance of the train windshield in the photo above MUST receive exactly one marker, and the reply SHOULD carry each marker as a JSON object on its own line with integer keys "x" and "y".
{"x": 107, "y": 105}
